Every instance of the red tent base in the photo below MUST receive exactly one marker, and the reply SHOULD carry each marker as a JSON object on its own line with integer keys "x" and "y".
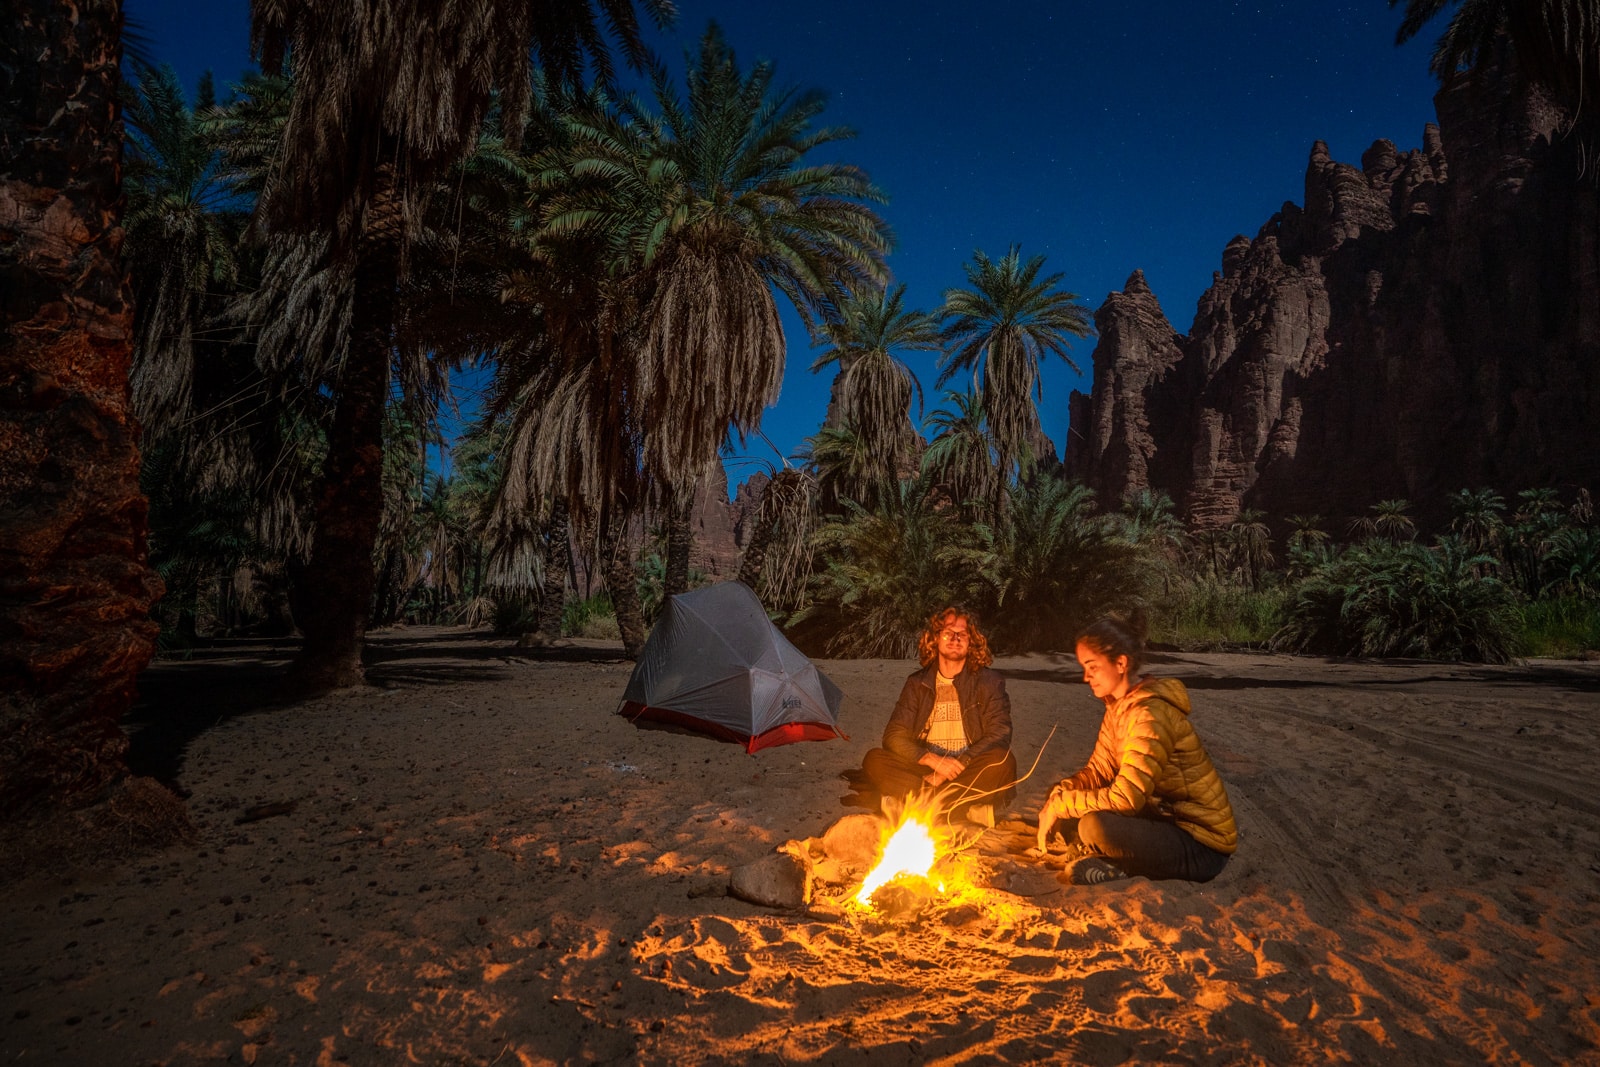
{"x": 786, "y": 734}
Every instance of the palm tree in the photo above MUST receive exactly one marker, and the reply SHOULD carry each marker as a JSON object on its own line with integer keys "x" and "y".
{"x": 182, "y": 227}
{"x": 75, "y": 586}
{"x": 1308, "y": 543}
{"x": 665, "y": 236}
{"x": 874, "y": 387}
{"x": 1535, "y": 526}
{"x": 710, "y": 207}
{"x": 1148, "y": 519}
{"x": 1390, "y": 520}
{"x": 1306, "y": 532}
{"x": 1000, "y": 329}
{"x": 961, "y": 454}
{"x": 784, "y": 518}
{"x": 373, "y": 122}
{"x": 846, "y": 469}
{"x": 1478, "y": 517}
{"x": 1252, "y": 540}
{"x": 1553, "y": 43}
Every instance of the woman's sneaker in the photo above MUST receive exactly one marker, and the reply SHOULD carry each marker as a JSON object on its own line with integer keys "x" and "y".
{"x": 1093, "y": 870}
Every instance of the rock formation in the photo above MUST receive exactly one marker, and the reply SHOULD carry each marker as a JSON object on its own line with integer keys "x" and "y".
{"x": 1427, "y": 322}
{"x": 711, "y": 522}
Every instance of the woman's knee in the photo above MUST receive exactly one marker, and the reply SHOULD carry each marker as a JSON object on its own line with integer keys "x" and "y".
{"x": 1094, "y": 829}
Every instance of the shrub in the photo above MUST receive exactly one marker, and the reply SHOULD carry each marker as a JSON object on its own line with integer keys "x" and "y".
{"x": 594, "y": 617}
{"x": 1561, "y": 627}
{"x": 1385, "y": 599}
{"x": 1057, "y": 566}
{"x": 881, "y": 573}
{"x": 1208, "y": 614}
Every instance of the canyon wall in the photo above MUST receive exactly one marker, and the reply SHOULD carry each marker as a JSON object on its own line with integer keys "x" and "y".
{"x": 1426, "y": 322}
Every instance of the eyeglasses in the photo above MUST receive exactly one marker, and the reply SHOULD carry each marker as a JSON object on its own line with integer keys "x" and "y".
{"x": 954, "y": 635}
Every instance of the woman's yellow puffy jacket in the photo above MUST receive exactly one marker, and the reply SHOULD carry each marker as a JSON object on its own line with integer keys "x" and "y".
{"x": 1149, "y": 761}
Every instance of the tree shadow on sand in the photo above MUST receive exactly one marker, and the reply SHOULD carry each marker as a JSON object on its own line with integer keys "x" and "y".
{"x": 183, "y": 695}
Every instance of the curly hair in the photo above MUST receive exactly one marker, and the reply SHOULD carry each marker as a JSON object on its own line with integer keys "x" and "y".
{"x": 978, "y": 654}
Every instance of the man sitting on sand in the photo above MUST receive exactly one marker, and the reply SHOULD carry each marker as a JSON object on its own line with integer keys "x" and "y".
{"x": 1149, "y": 801}
{"x": 951, "y": 728}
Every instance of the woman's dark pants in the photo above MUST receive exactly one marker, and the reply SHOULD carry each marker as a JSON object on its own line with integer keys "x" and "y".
{"x": 1151, "y": 847}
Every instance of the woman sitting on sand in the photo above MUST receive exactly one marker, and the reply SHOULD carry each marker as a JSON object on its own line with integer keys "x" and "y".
{"x": 951, "y": 727}
{"x": 1149, "y": 801}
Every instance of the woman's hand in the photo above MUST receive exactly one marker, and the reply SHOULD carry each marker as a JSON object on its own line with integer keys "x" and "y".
{"x": 1054, "y": 811}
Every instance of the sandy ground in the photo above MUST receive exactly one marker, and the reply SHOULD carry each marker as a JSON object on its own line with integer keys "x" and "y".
{"x": 481, "y": 864}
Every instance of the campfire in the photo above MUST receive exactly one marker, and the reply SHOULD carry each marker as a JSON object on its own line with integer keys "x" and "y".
{"x": 915, "y": 863}
{"x": 909, "y": 851}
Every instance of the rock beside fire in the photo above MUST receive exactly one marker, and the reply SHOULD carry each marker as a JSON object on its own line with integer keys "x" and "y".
{"x": 781, "y": 880}
{"x": 851, "y": 846}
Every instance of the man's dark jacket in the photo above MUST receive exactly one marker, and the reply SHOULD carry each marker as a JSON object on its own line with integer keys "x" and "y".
{"x": 985, "y": 714}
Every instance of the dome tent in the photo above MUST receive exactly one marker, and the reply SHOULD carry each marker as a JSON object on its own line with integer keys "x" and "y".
{"x": 716, "y": 664}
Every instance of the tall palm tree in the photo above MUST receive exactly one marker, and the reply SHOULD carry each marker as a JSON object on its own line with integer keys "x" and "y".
{"x": 874, "y": 387}
{"x": 376, "y": 117}
{"x": 784, "y": 520}
{"x": 710, "y": 207}
{"x": 1553, "y": 43}
{"x": 1000, "y": 329}
{"x": 183, "y": 225}
{"x": 666, "y": 233}
{"x": 961, "y": 454}
{"x": 75, "y": 585}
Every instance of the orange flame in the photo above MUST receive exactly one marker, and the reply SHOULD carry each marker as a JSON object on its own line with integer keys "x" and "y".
{"x": 910, "y": 850}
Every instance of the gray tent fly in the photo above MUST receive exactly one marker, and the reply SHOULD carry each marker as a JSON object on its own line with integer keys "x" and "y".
{"x": 716, "y": 664}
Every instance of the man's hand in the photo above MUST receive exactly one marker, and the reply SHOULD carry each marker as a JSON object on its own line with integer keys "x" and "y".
{"x": 943, "y": 768}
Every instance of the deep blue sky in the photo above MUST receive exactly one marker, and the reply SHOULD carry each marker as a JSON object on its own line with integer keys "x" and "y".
{"x": 1107, "y": 137}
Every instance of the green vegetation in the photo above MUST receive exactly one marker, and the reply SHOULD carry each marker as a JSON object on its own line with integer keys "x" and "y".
{"x": 612, "y": 268}
{"x": 1562, "y": 627}
{"x": 1204, "y": 614}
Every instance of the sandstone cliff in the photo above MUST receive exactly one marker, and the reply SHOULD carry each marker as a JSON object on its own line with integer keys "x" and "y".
{"x": 1427, "y": 321}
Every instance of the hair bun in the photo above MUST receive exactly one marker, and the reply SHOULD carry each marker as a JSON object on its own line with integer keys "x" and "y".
{"x": 1136, "y": 622}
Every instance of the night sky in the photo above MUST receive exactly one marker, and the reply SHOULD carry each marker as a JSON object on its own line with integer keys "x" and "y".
{"x": 1108, "y": 137}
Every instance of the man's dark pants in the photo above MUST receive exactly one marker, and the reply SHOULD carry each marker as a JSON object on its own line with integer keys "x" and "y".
{"x": 896, "y": 776}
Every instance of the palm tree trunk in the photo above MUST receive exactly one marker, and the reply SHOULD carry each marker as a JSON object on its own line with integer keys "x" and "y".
{"x": 680, "y": 539}
{"x": 350, "y": 504}
{"x": 617, "y": 555}
{"x": 75, "y": 587}
{"x": 557, "y": 561}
